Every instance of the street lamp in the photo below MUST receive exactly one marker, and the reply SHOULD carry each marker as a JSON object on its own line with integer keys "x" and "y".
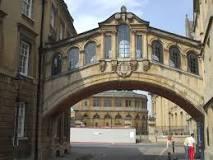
{"x": 169, "y": 122}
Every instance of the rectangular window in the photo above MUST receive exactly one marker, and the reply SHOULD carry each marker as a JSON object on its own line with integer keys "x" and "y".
{"x": 108, "y": 46}
{"x": 24, "y": 58}
{"x": 128, "y": 103}
{"x": 21, "y": 119}
{"x": 107, "y": 102}
{"x": 118, "y": 102}
{"x": 53, "y": 16}
{"x": 27, "y": 8}
{"x": 96, "y": 102}
{"x": 61, "y": 33}
{"x": 139, "y": 46}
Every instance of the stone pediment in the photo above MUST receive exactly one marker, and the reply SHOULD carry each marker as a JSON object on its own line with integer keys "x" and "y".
{"x": 124, "y": 17}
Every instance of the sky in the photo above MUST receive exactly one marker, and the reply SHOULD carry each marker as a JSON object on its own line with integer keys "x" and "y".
{"x": 168, "y": 15}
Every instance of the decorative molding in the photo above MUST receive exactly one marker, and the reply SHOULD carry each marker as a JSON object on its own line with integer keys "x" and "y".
{"x": 146, "y": 65}
{"x": 102, "y": 65}
{"x": 134, "y": 65}
{"x": 114, "y": 64}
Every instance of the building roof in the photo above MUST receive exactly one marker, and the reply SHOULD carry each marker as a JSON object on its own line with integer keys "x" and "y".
{"x": 123, "y": 94}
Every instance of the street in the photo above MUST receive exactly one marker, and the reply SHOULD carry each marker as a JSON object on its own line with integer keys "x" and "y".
{"x": 83, "y": 151}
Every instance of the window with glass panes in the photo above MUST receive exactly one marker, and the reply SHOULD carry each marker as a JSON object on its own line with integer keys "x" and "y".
{"x": 96, "y": 102}
{"x": 21, "y": 119}
{"x": 139, "y": 46}
{"x": 53, "y": 16}
{"x": 174, "y": 54}
{"x": 27, "y": 8}
{"x": 56, "y": 64}
{"x": 73, "y": 58}
{"x": 107, "y": 102}
{"x": 118, "y": 102}
{"x": 62, "y": 31}
{"x": 157, "y": 51}
{"x": 193, "y": 63}
{"x": 123, "y": 41}
{"x": 24, "y": 58}
{"x": 90, "y": 53}
{"x": 108, "y": 46}
{"x": 128, "y": 103}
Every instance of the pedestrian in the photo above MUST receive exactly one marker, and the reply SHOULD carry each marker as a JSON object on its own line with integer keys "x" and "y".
{"x": 169, "y": 140}
{"x": 186, "y": 148}
{"x": 191, "y": 145}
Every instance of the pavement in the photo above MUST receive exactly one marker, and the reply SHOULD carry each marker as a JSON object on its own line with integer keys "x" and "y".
{"x": 92, "y": 151}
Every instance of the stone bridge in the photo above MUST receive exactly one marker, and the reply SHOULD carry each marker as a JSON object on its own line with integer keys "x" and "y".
{"x": 124, "y": 52}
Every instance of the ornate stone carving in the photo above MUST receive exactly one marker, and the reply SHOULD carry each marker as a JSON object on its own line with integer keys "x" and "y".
{"x": 114, "y": 65}
{"x": 102, "y": 65}
{"x": 146, "y": 65}
{"x": 124, "y": 69}
{"x": 134, "y": 65}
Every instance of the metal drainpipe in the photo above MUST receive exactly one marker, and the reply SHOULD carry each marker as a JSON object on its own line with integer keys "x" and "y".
{"x": 39, "y": 82}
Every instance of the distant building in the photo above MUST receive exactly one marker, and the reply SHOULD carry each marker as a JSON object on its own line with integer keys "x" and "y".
{"x": 113, "y": 109}
{"x": 170, "y": 118}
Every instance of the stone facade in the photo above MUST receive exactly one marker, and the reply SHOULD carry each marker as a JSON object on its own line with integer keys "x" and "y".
{"x": 114, "y": 109}
{"x": 20, "y": 35}
{"x": 203, "y": 31}
{"x": 169, "y": 118}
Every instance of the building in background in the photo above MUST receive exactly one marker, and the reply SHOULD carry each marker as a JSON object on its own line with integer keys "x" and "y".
{"x": 22, "y": 36}
{"x": 170, "y": 118}
{"x": 113, "y": 109}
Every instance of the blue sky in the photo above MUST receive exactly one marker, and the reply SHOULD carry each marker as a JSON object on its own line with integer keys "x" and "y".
{"x": 168, "y": 15}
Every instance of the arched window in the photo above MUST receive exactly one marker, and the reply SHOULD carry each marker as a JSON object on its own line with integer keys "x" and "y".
{"x": 174, "y": 57}
{"x": 73, "y": 58}
{"x": 157, "y": 51}
{"x": 118, "y": 116}
{"x": 107, "y": 116}
{"x": 123, "y": 41}
{"x": 56, "y": 64}
{"x": 96, "y": 116}
{"x": 90, "y": 53}
{"x": 128, "y": 116}
{"x": 192, "y": 62}
{"x": 137, "y": 117}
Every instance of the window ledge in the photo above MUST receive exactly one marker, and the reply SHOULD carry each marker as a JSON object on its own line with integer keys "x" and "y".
{"x": 23, "y": 138}
{"x": 28, "y": 19}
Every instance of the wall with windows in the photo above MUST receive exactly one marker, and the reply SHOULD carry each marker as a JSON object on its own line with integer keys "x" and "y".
{"x": 126, "y": 42}
{"x": 169, "y": 118}
{"x": 113, "y": 109}
{"x": 58, "y": 22}
{"x": 203, "y": 30}
{"x": 20, "y": 28}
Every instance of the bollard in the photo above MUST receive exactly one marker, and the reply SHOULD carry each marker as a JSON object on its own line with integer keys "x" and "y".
{"x": 169, "y": 156}
{"x": 173, "y": 146}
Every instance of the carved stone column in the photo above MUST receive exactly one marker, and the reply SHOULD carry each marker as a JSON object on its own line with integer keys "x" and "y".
{"x": 132, "y": 44}
{"x": 114, "y": 45}
{"x": 81, "y": 58}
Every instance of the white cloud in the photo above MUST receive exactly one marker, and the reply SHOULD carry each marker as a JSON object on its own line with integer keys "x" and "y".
{"x": 87, "y": 14}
